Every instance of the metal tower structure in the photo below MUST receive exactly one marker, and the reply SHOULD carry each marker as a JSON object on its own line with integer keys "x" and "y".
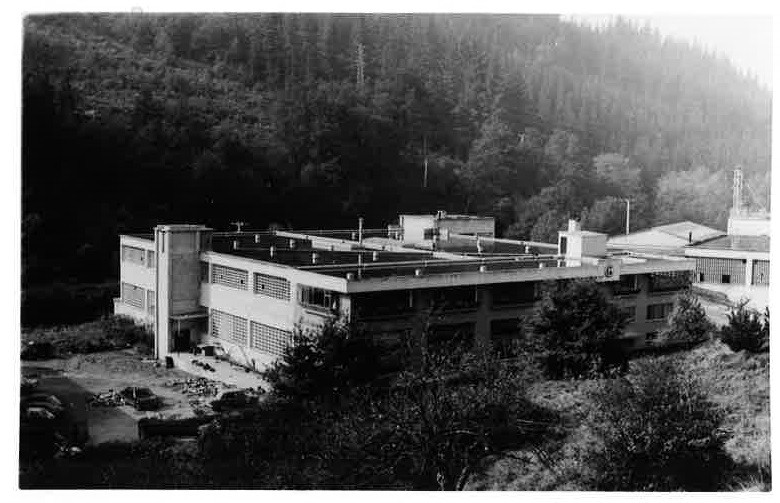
{"x": 736, "y": 205}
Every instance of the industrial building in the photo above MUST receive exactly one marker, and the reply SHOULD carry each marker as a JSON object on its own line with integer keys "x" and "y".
{"x": 426, "y": 280}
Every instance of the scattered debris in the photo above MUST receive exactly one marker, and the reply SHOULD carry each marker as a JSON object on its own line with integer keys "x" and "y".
{"x": 110, "y": 398}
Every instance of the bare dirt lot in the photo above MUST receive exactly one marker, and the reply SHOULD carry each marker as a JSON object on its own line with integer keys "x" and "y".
{"x": 77, "y": 378}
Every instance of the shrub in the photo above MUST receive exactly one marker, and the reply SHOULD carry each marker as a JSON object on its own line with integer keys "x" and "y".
{"x": 688, "y": 323}
{"x": 324, "y": 363}
{"x": 656, "y": 431}
{"x": 746, "y": 329}
{"x": 576, "y": 330}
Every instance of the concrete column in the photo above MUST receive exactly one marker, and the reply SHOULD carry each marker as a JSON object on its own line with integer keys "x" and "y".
{"x": 748, "y": 272}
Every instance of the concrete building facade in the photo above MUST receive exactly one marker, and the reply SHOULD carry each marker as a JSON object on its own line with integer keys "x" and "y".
{"x": 248, "y": 292}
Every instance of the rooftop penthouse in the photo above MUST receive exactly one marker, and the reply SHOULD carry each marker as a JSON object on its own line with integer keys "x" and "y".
{"x": 248, "y": 291}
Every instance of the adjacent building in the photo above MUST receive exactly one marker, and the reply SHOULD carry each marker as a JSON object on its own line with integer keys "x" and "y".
{"x": 427, "y": 280}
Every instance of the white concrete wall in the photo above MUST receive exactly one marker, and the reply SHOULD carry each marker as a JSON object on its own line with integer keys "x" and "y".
{"x": 745, "y": 225}
{"x": 414, "y": 226}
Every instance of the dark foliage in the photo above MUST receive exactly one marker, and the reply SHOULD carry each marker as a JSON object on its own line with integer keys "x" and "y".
{"x": 106, "y": 334}
{"x": 656, "y": 431}
{"x": 66, "y": 304}
{"x": 747, "y": 329}
{"x": 325, "y": 364}
{"x": 688, "y": 323}
{"x": 575, "y": 330}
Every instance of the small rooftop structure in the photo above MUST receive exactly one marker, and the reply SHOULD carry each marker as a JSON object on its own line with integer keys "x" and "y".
{"x": 669, "y": 238}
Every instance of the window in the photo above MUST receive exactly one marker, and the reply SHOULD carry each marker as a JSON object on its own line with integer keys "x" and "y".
{"x": 626, "y": 285}
{"x": 133, "y": 255}
{"x": 669, "y": 281}
{"x": 450, "y": 337}
{"x": 725, "y": 278}
{"x": 229, "y": 327}
{"x": 383, "y": 304}
{"x": 659, "y": 311}
{"x": 429, "y": 233}
{"x": 150, "y": 259}
{"x": 204, "y": 272}
{"x": 269, "y": 339}
{"x": 562, "y": 245}
{"x": 150, "y": 303}
{"x": 318, "y": 298}
{"x": 701, "y": 277}
{"x": 455, "y": 298}
{"x": 229, "y": 276}
{"x": 133, "y": 295}
{"x": 504, "y": 337}
{"x": 272, "y": 286}
{"x": 629, "y": 312}
{"x": 513, "y": 294}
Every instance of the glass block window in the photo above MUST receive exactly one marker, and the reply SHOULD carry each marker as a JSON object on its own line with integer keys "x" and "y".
{"x": 229, "y": 327}
{"x": 229, "y": 276}
{"x": 204, "y": 272}
{"x": 659, "y": 311}
{"x": 270, "y": 339}
{"x": 150, "y": 262}
{"x": 150, "y": 303}
{"x": 133, "y": 295}
{"x": 272, "y": 286}
{"x": 133, "y": 255}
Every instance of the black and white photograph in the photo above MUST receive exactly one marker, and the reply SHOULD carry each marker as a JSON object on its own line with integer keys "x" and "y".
{"x": 399, "y": 251}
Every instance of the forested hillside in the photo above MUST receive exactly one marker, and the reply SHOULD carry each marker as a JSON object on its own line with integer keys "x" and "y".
{"x": 314, "y": 120}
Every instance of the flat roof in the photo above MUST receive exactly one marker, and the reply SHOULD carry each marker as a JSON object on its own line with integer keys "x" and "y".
{"x": 735, "y": 243}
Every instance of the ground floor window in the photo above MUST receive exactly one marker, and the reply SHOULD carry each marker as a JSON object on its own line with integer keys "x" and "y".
{"x": 269, "y": 339}
{"x": 659, "y": 311}
{"x": 133, "y": 295}
{"x": 228, "y": 326}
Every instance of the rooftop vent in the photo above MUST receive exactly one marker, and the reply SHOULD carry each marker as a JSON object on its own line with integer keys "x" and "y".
{"x": 271, "y": 251}
{"x": 291, "y": 244}
{"x": 418, "y": 272}
{"x": 315, "y": 257}
{"x": 541, "y": 265}
{"x": 235, "y": 244}
{"x": 483, "y": 268}
{"x": 574, "y": 226}
{"x": 257, "y": 238}
{"x": 375, "y": 256}
{"x": 350, "y": 276}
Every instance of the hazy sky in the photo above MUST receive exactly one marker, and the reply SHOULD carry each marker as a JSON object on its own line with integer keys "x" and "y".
{"x": 745, "y": 40}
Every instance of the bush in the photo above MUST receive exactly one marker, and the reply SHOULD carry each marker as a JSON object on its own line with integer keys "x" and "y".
{"x": 688, "y": 323}
{"x": 108, "y": 333}
{"x": 325, "y": 363}
{"x": 576, "y": 331}
{"x": 746, "y": 329}
{"x": 656, "y": 431}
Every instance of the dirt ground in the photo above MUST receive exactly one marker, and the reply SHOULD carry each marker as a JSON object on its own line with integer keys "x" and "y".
{"x": 75, "y": 379}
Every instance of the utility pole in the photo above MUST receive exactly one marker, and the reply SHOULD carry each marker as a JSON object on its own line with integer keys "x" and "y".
{"x": 628, "y": 216}
{"x": 736, "y": 204}
{"x": 425, "y": 162}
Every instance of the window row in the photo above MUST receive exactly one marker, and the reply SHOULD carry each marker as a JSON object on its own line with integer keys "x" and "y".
{"x": 264, "y": 284}
{"x": 260, "y": 336}
{"x": 134, "y": 296}
{"x": 138, "y": 256}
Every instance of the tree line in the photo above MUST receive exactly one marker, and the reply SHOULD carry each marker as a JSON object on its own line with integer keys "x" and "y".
{"x": 313, "y": 120}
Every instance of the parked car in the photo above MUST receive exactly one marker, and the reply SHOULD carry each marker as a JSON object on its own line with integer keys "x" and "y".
{"x": 43, "y": 400}
{"x": 140, "y": 398}
{"x": 234, "y": 400}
